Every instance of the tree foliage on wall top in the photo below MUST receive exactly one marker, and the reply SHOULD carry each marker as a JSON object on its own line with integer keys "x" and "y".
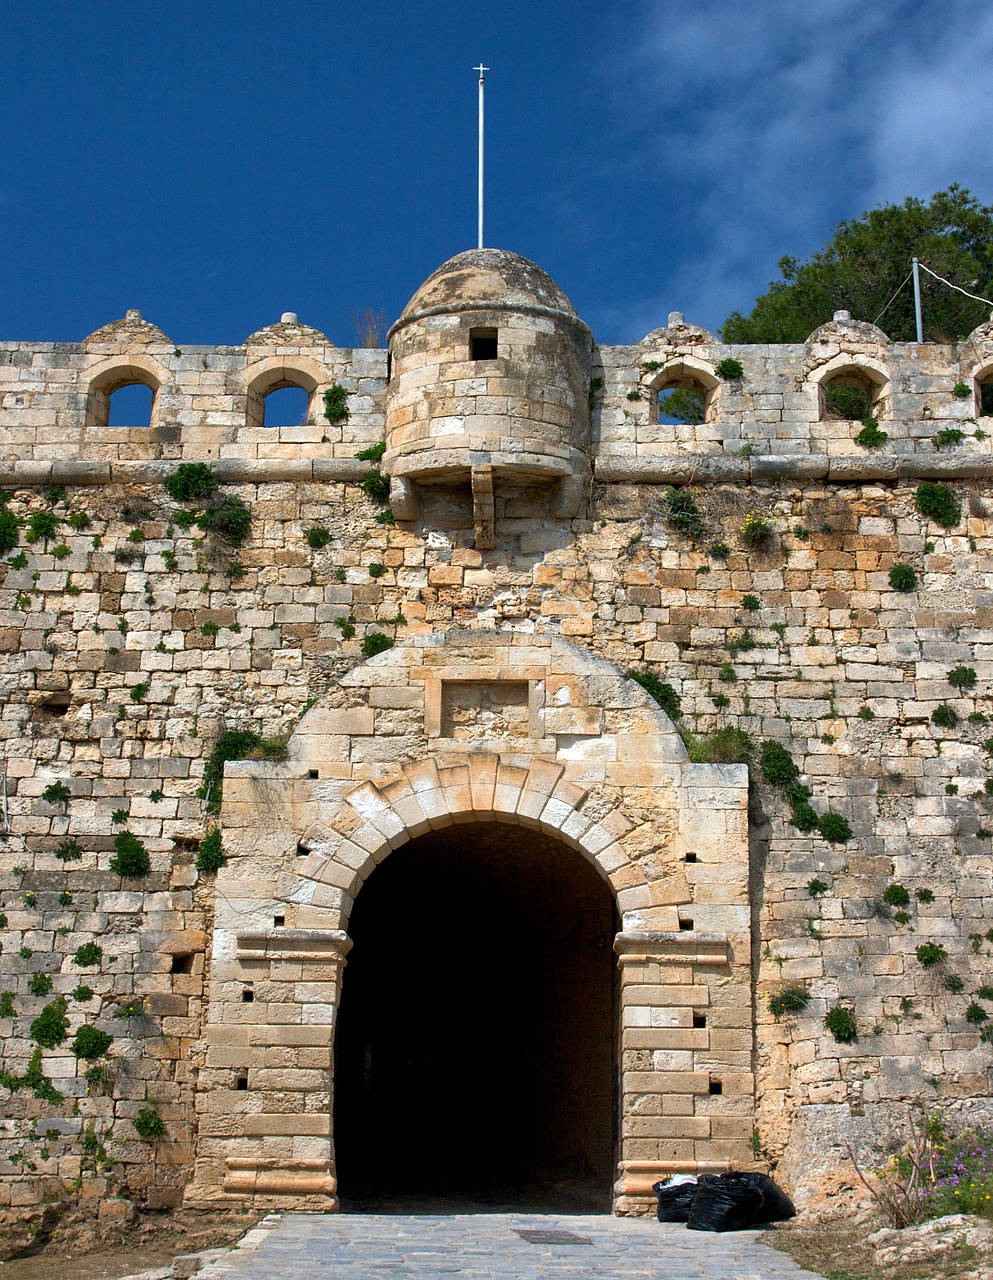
{"x": 863, "y": 265}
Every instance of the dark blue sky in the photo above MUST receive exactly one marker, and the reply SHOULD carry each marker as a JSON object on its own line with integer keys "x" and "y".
{"x": 215, "y": 164}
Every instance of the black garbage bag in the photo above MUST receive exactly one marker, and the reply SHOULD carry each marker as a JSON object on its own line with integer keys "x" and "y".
{"x": 674, "y": 1202}
{"x": 776, "y": 1204}
{"x": 724, "y": 1206}
{"x": 736, "y": 1201}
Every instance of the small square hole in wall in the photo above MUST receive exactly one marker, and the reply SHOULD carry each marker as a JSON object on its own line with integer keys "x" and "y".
{"x": 182, "y": 962}
{"x": 699, "y": 1020}
{"x": 313, "y": 773}
{"x": 482, "y": 344}
{"x": 241, "y": 1082}
{"x": 690, "y": 857}
{"x": 685, "y": 923}
{"x": 278, "y": 922}
{"x": 247, "y": 996}
{"x": 715, "y": 1086}
{"x": 302, "y": 851}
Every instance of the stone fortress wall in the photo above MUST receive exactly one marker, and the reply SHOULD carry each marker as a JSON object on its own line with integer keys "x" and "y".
{"x": 130, "y": 642}
{"x": 771, "y": 422}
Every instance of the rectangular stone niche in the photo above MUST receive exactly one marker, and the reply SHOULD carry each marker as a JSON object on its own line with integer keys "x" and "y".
{"x": 471, "y": 710}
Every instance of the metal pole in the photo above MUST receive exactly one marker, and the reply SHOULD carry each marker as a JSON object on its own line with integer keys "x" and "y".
{"x": 917, "y": 302}
{"x": 481, "y": 69}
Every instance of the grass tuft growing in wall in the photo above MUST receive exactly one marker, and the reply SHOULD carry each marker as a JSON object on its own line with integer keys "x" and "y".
{"x": 210, "y": 855}
{"x": 375, "y": 642}
{"x": 235, "y": 744}
{"x": 51, "y": 1026}
{"x": 834, "y": 828}
{"x": 840, "y": 1021}
{"x": 870, "y": 437}
{"x": 230, "y": 518}
{"x": 318, "y": 536}
{"x": 190, "y": 482}
{"x": 902, "y": 577}
{"x": 931, "y": 954}
{"x": 336, "y": 404}
{"x": 130, "y": 860}
{"x": 148, "y": 1124}
{"x": 938, "y": 503}
{"x": 89, "y": 1043}
{"x": 788, "y": 999}
{"x": 729, "y": 369}
{"x": 10, "y": 531}
{"x": 727, "y": 745}
{"x": 664, "y": 694}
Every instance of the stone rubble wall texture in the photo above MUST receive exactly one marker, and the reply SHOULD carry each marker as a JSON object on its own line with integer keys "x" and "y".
{"x": 130, "y": 644}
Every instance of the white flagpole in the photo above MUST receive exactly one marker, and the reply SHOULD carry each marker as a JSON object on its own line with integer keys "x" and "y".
{"x": 481, "y": 69}
{"x": 917, "y": 300}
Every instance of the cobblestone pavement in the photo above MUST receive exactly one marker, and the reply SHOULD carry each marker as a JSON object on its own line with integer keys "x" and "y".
{"x": 515, "y": 1246}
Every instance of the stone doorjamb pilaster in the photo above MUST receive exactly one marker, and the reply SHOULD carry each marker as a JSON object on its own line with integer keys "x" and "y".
{"x": 673, "y": 1017}
{"x": 290, "y": 1054}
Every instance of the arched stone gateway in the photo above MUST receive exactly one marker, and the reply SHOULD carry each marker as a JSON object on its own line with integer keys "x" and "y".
{"x": 474, "y": 727}
{"x": 475, "y": 1040}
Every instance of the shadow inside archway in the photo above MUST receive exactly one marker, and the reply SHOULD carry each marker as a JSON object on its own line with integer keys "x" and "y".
{"x": 475, "y": 1049}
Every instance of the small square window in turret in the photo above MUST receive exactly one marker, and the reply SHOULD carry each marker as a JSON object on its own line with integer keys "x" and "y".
{"x": 482, "y": 344}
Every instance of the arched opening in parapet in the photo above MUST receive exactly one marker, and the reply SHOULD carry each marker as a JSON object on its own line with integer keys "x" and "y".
{"x": 124, "y": 395}
{"x": 684, "y": 395}
{"x": 851, "y": 394}
{"x": 983, "y": 379}
{"x": 475, "y": 1045}
{"x": 130, "y": 405}
{"x": 282, "y": 395}
{"x": 286, "y": 406}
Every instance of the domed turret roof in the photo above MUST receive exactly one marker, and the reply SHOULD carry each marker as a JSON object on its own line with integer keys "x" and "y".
{"x": 489, "y": 279}
{"x": 134, "y": 329}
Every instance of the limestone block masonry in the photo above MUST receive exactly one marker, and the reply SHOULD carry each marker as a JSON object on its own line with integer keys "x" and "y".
{"x": 445, "y": 637}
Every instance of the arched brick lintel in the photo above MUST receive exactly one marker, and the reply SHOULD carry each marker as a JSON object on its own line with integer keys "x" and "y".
{"x": 373, "y": 820}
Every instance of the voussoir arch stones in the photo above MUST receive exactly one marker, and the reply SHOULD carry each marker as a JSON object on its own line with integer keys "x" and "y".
{"x": 374, "y": 819}
{"x": 262, "y": 375}
{"x": 600, "y": 758}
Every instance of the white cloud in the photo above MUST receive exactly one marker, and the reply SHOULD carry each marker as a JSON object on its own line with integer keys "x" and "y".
{"x": 769, "y": 122}
{"x": 935, "y": 112}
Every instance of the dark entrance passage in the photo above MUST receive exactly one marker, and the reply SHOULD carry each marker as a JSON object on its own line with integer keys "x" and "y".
{"x": 474, "y": 1053}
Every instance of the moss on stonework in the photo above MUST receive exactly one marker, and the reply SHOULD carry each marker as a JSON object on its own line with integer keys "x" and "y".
{"x": 235, "y": 744}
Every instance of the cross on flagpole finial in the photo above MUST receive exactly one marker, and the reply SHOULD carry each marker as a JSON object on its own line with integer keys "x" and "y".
{"x": 481, "y": 69}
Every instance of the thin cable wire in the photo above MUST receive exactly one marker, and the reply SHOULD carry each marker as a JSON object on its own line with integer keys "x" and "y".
{"x": 974, "y": 296}
{"x": 898, "y": 288}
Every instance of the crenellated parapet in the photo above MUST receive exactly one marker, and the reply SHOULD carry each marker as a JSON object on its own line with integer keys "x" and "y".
{"x": 769, "y": 410}
{"x": 207, "y": 401}
{"x": 479, "y": 391}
